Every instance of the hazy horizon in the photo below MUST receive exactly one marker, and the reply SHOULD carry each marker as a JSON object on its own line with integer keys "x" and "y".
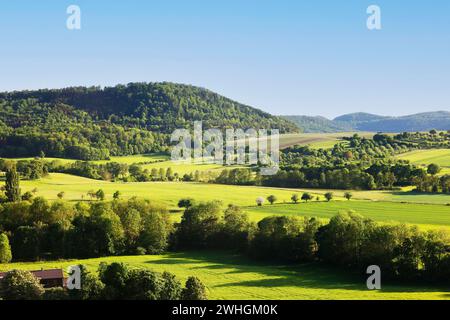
{"x": 284, "y": 57}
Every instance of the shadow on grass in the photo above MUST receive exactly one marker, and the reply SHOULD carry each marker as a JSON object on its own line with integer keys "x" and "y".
{"x": 310, "y": 275}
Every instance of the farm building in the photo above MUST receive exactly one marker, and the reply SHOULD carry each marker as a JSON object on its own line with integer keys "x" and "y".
{"x": 49, "y": 278}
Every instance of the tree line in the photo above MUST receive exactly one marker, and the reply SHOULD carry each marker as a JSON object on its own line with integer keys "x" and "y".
{"x": 347, "y": 241}
{"x": 115, "y": 281}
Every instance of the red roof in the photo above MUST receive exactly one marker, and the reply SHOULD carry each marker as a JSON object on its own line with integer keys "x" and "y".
{"x": 43, "y": 274}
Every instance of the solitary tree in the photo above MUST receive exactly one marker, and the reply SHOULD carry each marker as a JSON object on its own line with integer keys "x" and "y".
{"x": 5, "y": 249}
{"x": 272, "y": 199}
{"x": 116, "y": 195}
{"x": 194, "y": 290}
{"x": 12, "y": 189}
{"x": 306, "y": 197}
{"x": 185, "y": 203}
{"x": 433, "y": 169}
{"x": 100, "y": 194}
{"x": 328, "y": 196}
{"x": 61, "y": 195}
{"x": 259, "y": 201}
{"x": 348, "y": 195}
{"x": 294, "y": 198}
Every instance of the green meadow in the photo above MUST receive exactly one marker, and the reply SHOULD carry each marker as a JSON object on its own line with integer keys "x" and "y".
{"x": 317, "y": 140}
{"x": 427, "y": 211}
{"x": 424, "y": 157}
{"x": 75, "y": 188}
{"x": 426, "y": 216}
{"x": 229, "y": 276}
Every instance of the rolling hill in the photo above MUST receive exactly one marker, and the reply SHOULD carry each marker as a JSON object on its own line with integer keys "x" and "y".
{"x": 439, "y": 120}
{"x": 94, "y": 123}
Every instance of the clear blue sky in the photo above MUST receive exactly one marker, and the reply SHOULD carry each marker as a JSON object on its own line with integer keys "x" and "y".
{"x": 311, "y": 57}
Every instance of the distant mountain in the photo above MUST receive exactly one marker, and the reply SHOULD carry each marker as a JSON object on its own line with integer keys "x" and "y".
{"x": 439, "y": 120}
{"x": 359, "y": 117}
{"x": 319, "y": 124}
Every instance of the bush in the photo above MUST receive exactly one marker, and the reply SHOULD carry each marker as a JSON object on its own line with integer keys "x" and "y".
{"x": 194, "y": 290}
{"x": 5, "y": 249}
{"x": 143, "y": 284}
{"x": 171, "y": 287}
{"x": 20, "y": 285}
{"x": 57, "y": 293}
{"x": 272, "y": 199}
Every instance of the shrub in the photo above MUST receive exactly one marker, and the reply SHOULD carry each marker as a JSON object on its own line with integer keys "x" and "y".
{"x": 272, "y": 199}
{"x": 5, "y": 249}
{"x": 194, "y": 290}
{"x": 20, "y": 285}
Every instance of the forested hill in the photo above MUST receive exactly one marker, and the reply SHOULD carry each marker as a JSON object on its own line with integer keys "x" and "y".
{"x": 93, "y": 123}
{"x": 360, "y": 121}
{"x": 159, "y": 107}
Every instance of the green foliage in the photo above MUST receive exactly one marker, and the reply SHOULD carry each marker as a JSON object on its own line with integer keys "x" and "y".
{"x": 93, "y": 123}
{"x": 121, "y": 282}
{"x": 433, "y": 169}
{"x": 328, "y": 196}
{"x": 199, "y": 224}
{"x": 185, "y": 203}
{"x": 12, "y": 189}
{"x": 171, "y": 287}
{"x": 194, "y": 290}
{"x": 306, "y": 196}
{"x": 20, "y": 285}
{"x": 5, "y": 249}
{"x": 272, "y": 199}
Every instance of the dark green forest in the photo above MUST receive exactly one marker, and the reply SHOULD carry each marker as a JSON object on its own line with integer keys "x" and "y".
{"x": 94, "y": 123}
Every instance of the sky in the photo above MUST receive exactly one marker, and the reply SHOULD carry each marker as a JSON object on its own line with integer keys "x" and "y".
{"x": 313, "y": 57}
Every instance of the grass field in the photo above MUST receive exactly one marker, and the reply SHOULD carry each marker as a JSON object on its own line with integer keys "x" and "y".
{"x": 170, "y": 192}
{"x": 228, "y": 276}
{"x": 426, "y": 216}
{"x": 317, "y": 140}
{"x": 140, "y": 158}
{"x": 379, "y": 205}
{"x": 424, "y": 157}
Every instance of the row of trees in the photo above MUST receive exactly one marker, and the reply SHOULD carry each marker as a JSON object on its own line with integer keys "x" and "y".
{"x": 116, "y": 281}
{"x": 348, "y": 241}
{"x": 38, "y": 229}
{"x": 433, "y": 184}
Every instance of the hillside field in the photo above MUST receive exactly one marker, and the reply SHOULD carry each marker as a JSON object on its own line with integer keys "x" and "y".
{"x": 317, "y": 140}
{"x": 228, "y": 276}
{"x": 425, "y": 157}
{"x": 426, "y": 216}
{"x": 429, "y": 211}
{"x": 170, "y": 192}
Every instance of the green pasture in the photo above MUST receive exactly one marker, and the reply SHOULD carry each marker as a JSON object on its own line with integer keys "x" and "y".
{"x": 317, "y": 140}
{"x": 75, "y": 188}
{"x": 229, "y": 276}
{"x": 426, "y": 216}
{"x": 427, "y": 210}
{"x": 425, "y": 157}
